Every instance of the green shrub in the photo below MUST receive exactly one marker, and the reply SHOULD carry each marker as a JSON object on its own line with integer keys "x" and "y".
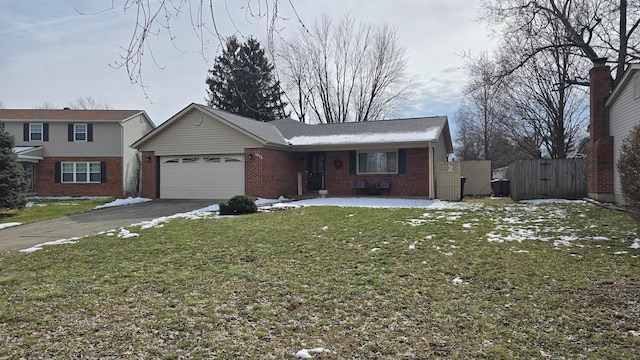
{"x": 239, "y": 204}
{"x": 629, "y": 167}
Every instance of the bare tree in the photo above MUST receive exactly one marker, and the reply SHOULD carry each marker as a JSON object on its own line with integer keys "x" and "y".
{"x": 88, "y": 103}
{"x": 155, "y": 17}
{"x": 82, "y": 103}
{"x": 344, "y": 71}
{"x": 543, "y": 104}
{"x": 47, "y": 106}
{"x": 483, "y": 101}
{"x": 592, "y": 28}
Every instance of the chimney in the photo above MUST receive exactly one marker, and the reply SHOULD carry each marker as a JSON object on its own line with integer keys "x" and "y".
{"x": 600, "y": 150}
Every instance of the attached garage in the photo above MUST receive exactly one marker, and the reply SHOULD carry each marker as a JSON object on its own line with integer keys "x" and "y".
{"x": 201, "y": 177}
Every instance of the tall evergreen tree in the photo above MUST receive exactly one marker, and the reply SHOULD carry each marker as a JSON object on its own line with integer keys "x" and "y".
{"x": 242, "y": 82}
{"x": 12, "y": 180}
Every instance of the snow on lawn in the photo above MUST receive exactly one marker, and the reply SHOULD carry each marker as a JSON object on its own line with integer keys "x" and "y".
{"x": 56, "y": 242}
{"x": 513, "y": 223}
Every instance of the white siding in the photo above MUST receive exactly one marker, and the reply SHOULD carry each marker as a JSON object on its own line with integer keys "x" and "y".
{"x": 133, "y": 129}
{"x": 197, "y": 133}
{"x": 440, "y": 149}
{"x": 624, "y": 114}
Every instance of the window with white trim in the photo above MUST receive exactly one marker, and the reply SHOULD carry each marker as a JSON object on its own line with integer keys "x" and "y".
{"x": 36, "y": 131}
{"x": 81, "y": 172}
{"x": 79, "y": 132}
{"x": 378, "y": 162}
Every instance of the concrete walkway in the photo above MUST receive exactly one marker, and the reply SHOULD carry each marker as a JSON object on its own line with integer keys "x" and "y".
{"x": 93, "y": 222}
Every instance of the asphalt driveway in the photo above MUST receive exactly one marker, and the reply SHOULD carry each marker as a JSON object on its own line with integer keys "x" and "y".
{"x": 93, "y": 222}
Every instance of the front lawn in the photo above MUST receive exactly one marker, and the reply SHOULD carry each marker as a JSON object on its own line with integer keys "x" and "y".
{"x": 40, "y": 209}
{"x": 480, "y": 280}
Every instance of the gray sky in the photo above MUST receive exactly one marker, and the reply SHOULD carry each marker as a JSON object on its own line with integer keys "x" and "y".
{"x": 53, "y": 54}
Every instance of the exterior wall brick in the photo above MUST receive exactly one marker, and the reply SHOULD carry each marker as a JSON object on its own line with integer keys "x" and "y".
{"x": 272, "y": 173}
{"x": 44, "y": 179}
{"x": 150, "y": 181}
{"x": 600, "y": 164}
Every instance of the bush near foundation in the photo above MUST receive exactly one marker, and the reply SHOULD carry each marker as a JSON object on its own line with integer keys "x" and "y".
{"x": 629, "y": 168}
{"x": 237, "y": 205}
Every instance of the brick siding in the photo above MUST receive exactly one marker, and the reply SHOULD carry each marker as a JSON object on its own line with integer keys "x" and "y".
{"x": 44, "y": 183}
{"x": 150, "y": 182}
{"x": 600, "y": 164}
{"x": 272, "y": 173}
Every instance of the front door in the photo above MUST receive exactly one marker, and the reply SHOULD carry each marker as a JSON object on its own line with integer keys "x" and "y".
{"x": 315, "y": 171}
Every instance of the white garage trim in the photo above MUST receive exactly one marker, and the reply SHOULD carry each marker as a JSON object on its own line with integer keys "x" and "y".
{"x": 201, "y": 176}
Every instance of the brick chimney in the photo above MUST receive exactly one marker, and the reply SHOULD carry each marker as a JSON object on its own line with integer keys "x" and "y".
{"x": 600, "y": 163}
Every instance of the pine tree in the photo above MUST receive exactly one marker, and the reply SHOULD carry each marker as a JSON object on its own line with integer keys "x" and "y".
{"x": 242, "y": 82}
{"x": 12, "y": 180}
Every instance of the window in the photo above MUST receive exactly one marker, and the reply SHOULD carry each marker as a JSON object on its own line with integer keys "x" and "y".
{"x": 35, "y": 132}
{"x": 189, "y": 160}
{"x": 79, "y": 132}
{"x": 377, "y": 162}
{"x": 230, "y": 159}
{"x": 81, "y": 172}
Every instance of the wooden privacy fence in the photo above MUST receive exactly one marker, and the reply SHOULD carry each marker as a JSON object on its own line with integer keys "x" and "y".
{"x": 548, "y": 178}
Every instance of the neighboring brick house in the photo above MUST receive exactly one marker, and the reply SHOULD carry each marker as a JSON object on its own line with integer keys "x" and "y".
{"x": 207, "y": 153}
{"x": 78, "y": 152}
{"x": 614, "y": 112}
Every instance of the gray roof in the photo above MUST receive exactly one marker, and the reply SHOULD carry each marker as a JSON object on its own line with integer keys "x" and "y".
{"x": 263, "y": 130}
{"x": 294, "y": 134}
{"x": 292, "y": 128}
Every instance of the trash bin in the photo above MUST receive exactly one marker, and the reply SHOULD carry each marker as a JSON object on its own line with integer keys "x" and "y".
{"x": 496, "y": 188}
{"x": 504, "y": 187}
{"x": 462, "y": 181}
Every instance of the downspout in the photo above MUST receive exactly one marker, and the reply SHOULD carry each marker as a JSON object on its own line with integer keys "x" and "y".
{"x": 431, "y": 175}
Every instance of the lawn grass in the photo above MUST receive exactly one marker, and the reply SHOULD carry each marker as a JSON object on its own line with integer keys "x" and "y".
{"x": 545, "y": 281}
{"x": 44, "y": 209}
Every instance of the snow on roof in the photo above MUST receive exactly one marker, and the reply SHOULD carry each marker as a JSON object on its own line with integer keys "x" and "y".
{"x": 366, "y": 138}
{"x": 19, "y": 149}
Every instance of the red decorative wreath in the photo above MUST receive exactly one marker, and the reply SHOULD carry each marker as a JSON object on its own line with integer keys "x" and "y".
{"x": 338, "y": 163}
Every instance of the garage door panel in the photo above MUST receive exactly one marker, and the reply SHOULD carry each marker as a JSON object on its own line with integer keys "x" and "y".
{"x": 209, "y": 177}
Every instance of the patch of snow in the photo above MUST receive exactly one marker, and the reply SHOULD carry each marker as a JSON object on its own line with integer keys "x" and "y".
{"x": 620, "y": 253}
{"x": 122, "y": 202}
{"x": 9, "y": 224}
{"x": 125, "y": 234}
{"x": 375, "y": 249}
{"x": 325, "y": 227}
{"x": 412, "y": 246}
{"x": 305, "y": 353}
{"x": 458, "y": 281}
{"x": 636, "y": 244}
{"x": 56, "y": 242}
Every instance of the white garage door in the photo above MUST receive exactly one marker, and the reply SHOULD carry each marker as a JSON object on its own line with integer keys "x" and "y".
{"x": 201, "y": 177}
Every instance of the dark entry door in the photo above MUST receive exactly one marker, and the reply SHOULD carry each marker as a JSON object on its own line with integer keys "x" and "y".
{"x": 315, "y": 171}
